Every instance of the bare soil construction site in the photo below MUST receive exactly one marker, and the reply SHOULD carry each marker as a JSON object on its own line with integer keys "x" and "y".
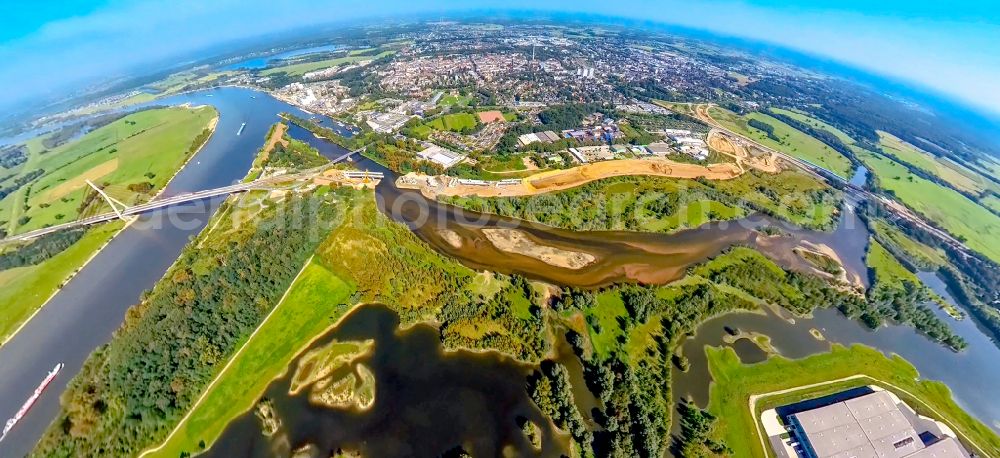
{"x": 556, "y": 180}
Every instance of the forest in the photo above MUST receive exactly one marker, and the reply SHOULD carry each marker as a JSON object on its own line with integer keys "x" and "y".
{"x": 132, "y": 390}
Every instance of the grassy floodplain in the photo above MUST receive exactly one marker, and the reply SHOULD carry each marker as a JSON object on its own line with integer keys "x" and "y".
{"x": 155, "y": 142}
{"x": 314, "y": 302}
{"x": 888, "y": 271}
{"x": 925, "y": 256}
{"x": 147, "y": 147}
{"x": 306, "y": 67}
{"x": 24, "y": 289}
{"x": 954, "y": 212}
{"x": 792, "y": 141}
{"x": 734, "y": 383}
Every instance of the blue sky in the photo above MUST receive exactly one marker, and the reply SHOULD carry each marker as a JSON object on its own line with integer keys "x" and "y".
{"x": 949, "y": 47}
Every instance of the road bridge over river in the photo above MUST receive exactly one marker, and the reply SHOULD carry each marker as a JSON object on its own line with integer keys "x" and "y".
{"x": 263, "y": 183}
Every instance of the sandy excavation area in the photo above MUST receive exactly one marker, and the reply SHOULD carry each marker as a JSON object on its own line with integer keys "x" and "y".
{"x": 739, "y": 150}
{"x": 556, "y": 180}
{"x": 515, "y": 241}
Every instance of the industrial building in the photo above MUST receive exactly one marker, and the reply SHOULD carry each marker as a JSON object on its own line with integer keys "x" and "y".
{"x": 870, "y": 425}
{"x": 442, "y": 156}
{"x": 541, "y": 137}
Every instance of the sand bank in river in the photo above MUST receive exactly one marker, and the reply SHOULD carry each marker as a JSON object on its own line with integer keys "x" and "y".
{"x": 515, "y": 241}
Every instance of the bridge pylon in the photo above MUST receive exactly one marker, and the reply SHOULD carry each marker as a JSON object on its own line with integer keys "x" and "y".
{"x": 114, "y": 203}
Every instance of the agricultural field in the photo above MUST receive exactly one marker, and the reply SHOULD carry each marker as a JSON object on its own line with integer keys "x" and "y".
{"x": 804, "y": 118}
{"x": 790, "y": 140}
{"x": 306, "y": 67}
{"x": 134, "y": 156}
{"x": 734, "y": 383}
{"x": 23, "y": 290}
{"x": 957, "y": 175}
{"x": 954, "y": 212}
{"x": 314, "y": 302}
{"x": 992, "y": 202}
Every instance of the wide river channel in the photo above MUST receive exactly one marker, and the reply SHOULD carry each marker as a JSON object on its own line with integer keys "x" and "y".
{"x": 85, "y": 313}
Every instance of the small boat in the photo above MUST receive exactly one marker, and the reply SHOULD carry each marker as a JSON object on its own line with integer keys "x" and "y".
{"x": 241, "y": 128}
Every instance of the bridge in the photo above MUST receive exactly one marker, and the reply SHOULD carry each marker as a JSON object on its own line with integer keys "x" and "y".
{"x": 898, "y": 210}
{"x": 122, "y": 211}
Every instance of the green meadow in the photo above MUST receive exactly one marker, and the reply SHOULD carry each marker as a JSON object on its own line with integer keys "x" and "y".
{"x": 142, "y": 149}
{"x": 954, "y": 212}
{"x": 734, "y": 382}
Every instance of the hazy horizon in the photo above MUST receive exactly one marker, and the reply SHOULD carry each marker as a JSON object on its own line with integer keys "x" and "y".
{"x": 899, "y": 41}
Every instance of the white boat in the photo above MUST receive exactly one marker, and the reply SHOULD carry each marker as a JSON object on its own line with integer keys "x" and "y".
{"x": 241, "y": 128}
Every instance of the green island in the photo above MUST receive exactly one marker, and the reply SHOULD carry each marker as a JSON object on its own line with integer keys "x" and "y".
{"x": 133, "y": 158}
{"x": 733, "y": 384}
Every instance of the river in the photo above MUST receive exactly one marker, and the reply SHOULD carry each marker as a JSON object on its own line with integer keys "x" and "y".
{"x": 257, "y": 63}
{"x": 90, "y": 307}
{"x": 83, "y": 316}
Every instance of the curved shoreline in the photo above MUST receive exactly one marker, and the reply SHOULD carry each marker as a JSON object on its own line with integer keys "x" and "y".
{"x": 212, "y": 124}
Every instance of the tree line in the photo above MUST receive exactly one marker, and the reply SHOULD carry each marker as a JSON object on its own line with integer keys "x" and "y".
{"x": 131, "y": 391}
{"x": 40, "y": 250}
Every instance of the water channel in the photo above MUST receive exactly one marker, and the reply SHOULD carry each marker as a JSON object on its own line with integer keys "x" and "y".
{"x": 90, "y": 307}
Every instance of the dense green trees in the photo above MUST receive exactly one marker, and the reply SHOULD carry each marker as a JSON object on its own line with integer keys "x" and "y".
{"x": 41, "y": 249}
{"x": 13, "y": 155}
{"x": 765, "y": 127}
{"x": 551, "y": 390}
{"x": 697, "y": 428}
{"x": 132, "y": 390}
{"x": 295, "y": 155}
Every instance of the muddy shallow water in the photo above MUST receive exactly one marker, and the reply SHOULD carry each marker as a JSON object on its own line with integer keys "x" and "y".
{"x": 427, "y": 401}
